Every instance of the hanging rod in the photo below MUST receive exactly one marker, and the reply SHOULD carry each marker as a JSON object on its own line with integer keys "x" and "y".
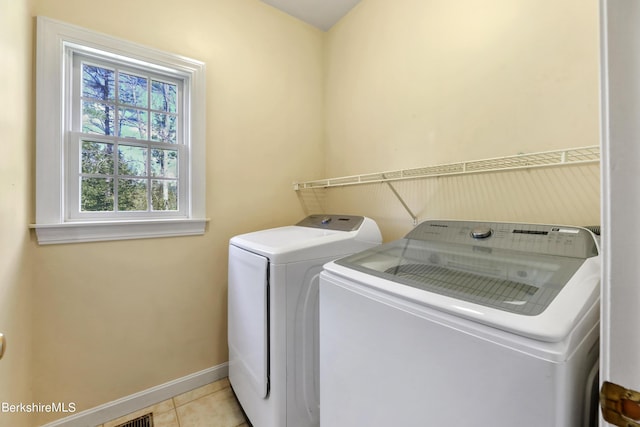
{"x": 568, "y": 156}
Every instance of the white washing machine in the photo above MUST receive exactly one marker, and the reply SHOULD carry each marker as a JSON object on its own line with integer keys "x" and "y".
{"x": 462, "y": 323}
{"x": 273, "y": 314}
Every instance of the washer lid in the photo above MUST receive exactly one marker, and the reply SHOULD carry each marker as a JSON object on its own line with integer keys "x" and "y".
{"x": 515, "y": 268}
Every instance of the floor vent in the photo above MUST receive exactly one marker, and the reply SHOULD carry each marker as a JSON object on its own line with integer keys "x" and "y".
{"x": 143, "y": 421}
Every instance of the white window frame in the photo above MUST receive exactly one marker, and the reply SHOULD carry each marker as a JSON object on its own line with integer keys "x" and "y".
{"x": 55, "y": 220}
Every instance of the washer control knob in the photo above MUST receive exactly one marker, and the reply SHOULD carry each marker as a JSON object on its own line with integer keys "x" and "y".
{"x": 481, "y": 232}
{"x": 326, "y": 220}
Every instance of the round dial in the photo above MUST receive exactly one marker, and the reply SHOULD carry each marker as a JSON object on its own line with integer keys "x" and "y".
{"x": 481, "y": 232}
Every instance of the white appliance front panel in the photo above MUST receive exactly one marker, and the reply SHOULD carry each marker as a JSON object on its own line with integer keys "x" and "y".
{"x": 303, "y": 390}
{"x": 248, "y": 318}
{"x": 387, "y": 362}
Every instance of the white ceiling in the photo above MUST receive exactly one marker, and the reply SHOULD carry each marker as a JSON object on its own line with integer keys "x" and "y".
{"x": 319, "y": 13}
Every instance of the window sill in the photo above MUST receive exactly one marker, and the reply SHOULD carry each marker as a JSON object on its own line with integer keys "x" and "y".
{"x": 77, "y": 232}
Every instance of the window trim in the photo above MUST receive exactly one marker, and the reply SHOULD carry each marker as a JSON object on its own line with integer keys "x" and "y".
{"x": 52, "y": 226}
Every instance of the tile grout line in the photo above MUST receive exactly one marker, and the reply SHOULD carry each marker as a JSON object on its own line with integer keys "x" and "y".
{"x": 175, "y": 409}
{"x": 198, "y": 398}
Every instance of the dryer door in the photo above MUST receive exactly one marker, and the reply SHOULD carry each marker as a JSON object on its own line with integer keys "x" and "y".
{"x": 248, "y": 320}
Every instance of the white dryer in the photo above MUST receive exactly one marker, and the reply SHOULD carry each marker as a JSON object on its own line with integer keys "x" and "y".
{"x": 273, "y": 314}
{"x": 462, "y": 323}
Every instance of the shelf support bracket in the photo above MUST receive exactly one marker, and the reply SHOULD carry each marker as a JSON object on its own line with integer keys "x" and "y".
{"x": 404, "y": 204}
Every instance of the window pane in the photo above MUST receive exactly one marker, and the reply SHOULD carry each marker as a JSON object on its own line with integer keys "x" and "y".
{"x": 98, "y": 82}
{"x": 132, "y": 194}
{"x": 133, "y": 90}
{"x": 164, "y": 195}
{"x": 164, "y": 163}
{"x": 163, "y": 128}
{"x": 97, "y": 195}
{"x": 97, "y": 118}
{"x": 97, "y": 158}
{"x": 133, "y": 123}
{"x": 132, "y": 160}
{"x": 163, "y": 96}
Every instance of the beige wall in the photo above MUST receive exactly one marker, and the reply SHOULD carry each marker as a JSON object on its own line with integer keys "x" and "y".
{"x": 395, "y": 84}
{"x": 115, "y": 318}
{"x": 16, "y": 132}
{"x": 423, "y": 82}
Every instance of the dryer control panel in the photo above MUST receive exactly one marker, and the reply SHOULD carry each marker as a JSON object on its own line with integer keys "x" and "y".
{"x": 332, "y": 222}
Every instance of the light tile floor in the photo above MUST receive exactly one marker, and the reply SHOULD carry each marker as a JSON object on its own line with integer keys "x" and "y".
{"x": 212, "y": 405}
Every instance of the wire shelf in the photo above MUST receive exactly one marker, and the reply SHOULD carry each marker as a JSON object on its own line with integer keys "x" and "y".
{"x": 569, "y": 156}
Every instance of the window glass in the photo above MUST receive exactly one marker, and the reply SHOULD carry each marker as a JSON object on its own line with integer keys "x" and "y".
{"x": 97, "y": 158}
{"x": 137, "y": 170}
{"x": 98, "y": 82}
{"x": 133, "y": 90}
{"x": 164, "y": 195}
{"x": 97, "y": 194}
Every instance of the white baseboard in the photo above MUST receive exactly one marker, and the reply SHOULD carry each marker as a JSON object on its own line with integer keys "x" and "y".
{"x": 126, "y": 405}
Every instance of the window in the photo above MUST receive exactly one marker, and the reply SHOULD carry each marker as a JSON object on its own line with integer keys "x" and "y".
{"x": 126, "y": 149}
{"x": 119, "y": 139}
